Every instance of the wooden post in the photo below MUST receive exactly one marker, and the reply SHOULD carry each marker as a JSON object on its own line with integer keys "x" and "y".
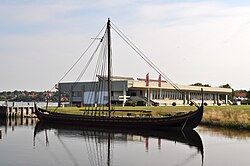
{"x": 3, "y": 111}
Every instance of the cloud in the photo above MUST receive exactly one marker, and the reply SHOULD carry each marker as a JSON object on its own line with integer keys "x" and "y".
{"x": 189, "y": 11}
{"x": 205, "y": 39}
{"x": 48, "y": 11}
{"x": 189, "y": 41}
{"x": 34, "y": 13}
{"x": 173, "y": 11}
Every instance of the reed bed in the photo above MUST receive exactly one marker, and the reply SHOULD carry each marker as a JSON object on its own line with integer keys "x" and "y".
{"x": 237, "y": 117}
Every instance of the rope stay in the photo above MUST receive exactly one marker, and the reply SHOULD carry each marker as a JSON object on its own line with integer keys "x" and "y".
{"x": 98, "y": 87}
{"x": 86, "y": 66}
{"x": 81, "y": 56}
{"x": 143, "y": 56}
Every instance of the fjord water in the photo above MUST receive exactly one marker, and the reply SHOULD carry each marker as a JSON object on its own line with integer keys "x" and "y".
{"x": 26, "y": 142}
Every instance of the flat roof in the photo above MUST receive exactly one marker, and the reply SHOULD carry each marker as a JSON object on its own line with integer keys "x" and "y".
{"x": 167, "y": 86}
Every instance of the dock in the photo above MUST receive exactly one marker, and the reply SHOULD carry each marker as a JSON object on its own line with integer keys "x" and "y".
{"x": 16, "y": 111}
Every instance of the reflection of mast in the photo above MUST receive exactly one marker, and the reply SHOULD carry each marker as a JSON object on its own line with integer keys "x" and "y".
{"x": 108, "y": 159}
{"x": 99, "y": 154}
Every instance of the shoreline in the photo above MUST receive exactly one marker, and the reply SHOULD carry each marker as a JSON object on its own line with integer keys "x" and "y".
{"x": 229, "y": 117}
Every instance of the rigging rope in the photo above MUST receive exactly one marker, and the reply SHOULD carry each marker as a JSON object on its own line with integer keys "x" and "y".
{"x": 143, "y": 56}
{"x": 97, "y": 71}
{"x": 77, "y": 61}
{"x": 99, "y": 87}
{"x": 83, "y": 71}
{"x": 85, "y": 68}
{"x": 80, "y": 56}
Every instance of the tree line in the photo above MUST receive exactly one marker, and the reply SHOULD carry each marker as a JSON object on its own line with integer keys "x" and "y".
{"x": 26, "y": 96}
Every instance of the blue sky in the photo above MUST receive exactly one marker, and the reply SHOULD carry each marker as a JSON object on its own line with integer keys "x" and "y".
{"x": 191, "y": 41}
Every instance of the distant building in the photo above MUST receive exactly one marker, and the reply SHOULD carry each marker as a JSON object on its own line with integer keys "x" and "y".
{"x": 125, "y": 88}
{"x": 239, "y": 96}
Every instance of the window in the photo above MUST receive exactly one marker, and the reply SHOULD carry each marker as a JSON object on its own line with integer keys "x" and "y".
{"x": 76, "y": 93}
{"x": 133, "y": 93}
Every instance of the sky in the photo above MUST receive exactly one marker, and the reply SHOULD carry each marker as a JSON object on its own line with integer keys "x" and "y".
{"x": 189, "y": 40}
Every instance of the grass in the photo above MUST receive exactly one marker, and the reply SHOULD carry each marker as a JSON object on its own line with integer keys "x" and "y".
{"x": 237, "y": 117}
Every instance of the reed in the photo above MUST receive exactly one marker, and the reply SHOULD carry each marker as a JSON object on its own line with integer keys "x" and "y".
{"x": 237, "y": 117}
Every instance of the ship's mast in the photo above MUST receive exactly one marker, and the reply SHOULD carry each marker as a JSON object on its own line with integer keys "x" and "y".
{"x": 109, "y": 66}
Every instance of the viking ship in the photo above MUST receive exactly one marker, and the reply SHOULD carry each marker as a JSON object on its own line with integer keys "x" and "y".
{"x": 188, "y": 120}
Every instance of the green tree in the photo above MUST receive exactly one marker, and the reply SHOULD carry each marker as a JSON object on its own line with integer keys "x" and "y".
{"x": 2, "y": 98}
{"x": 231, "y": 95}
{"x": 225, "y": 86}
{"x": 248, "y": 94}
{"x": 200, "y": 84}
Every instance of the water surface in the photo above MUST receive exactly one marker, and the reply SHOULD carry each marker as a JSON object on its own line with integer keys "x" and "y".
{"x": 26, "y": 142}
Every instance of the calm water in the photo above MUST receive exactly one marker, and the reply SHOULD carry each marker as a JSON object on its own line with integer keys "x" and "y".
{"x": 26, "y": 142}
{"x": 31, "y": 103}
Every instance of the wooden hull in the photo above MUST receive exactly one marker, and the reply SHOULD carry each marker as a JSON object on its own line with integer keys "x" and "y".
{"x": 186, "y": 121}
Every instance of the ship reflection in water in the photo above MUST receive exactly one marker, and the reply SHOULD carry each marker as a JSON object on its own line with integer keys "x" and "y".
{"x": 28, "y": 142}
{"x": 100, "y": 142}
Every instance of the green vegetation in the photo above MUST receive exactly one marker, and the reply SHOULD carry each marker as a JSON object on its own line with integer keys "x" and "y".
{"x": 200, "y": 84}
{"x": 156, "y": 111}
{"x": 237, "y": 117}
{"x": 29, "y": 96}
